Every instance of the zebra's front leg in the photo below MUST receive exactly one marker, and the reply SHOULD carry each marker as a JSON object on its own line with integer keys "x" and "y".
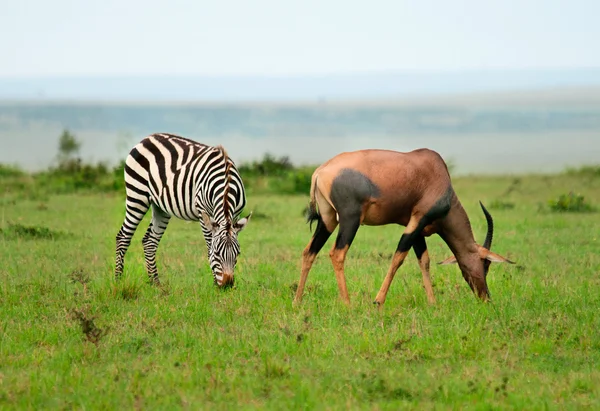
{"x": 207, "y": 232}
{"x": 155, "y": 231}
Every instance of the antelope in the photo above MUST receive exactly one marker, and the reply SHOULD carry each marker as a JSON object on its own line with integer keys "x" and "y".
{"x": 379, "y": 187}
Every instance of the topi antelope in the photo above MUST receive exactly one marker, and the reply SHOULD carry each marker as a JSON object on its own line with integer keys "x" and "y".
{"x": 378, "y": 187}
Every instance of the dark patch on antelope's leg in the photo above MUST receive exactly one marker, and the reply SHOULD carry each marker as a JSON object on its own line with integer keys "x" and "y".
{"x": 439, "y": 210}
{"x": 319, "y": 238}
{"x": 309, "y": 254}
{"x": 420, "y": 248}
{"x": 347, "y": 231}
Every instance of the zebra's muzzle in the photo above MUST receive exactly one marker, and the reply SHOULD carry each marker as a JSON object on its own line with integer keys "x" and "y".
{"x": 226, "y": 280}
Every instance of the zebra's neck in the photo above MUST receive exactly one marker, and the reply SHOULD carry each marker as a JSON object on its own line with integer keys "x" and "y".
{"x": 220, "y": 202}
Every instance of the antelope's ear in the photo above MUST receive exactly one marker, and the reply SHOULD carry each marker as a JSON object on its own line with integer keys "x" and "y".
{"x": 449, "y": 260}
{"x": 486, "y": 254}
{"x": 209, "y": 222}
{"x": 239, "y": 226}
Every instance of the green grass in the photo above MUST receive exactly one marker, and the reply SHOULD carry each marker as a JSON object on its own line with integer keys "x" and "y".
{"x": 73, "y": 338}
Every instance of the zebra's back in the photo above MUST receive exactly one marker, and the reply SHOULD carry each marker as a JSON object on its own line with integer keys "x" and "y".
{"x": 175, "y": 173}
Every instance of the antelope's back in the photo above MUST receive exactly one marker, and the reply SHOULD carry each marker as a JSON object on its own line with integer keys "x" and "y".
{"x": 410, "y": 172}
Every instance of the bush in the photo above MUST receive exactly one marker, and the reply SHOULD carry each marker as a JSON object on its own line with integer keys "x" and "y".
{"x": 585, "y": 171}
{"x": 276, "y": 175}
{"x": 570, "y": 203}
{"x": 74, "y": 175}
{"x": 9, "y": 171}
{"x": 302, "y": 179}
{"x": 268, "y": 166}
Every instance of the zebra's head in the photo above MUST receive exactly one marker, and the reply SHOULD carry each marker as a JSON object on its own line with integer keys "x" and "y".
{"x": 224, "y": 248}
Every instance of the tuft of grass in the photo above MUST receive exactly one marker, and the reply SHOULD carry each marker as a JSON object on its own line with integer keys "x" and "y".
{"x": 573, "y": 203}
{"x": 89, "y": 329}
{"x": 128, "y": 290}
{"x": 30, "y": 232}
{"x": 501, "y": 205}
{"x": 81, "y": 277}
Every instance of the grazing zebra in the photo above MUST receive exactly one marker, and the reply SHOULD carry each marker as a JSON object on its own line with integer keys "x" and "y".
{"x": 192, "y": 181}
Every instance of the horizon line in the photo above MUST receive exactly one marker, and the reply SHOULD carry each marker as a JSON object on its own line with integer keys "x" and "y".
{"x": 399, "y": 72}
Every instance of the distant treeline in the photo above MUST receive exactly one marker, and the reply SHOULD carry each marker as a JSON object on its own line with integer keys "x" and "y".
{"x": 302, "y": 120}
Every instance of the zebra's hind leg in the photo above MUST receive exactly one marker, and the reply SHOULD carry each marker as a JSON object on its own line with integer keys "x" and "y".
{"x": 135, "y": 210}
{"x": 155, "y": 231}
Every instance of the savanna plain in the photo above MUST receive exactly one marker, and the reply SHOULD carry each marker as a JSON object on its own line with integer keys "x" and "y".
{"x": 72, "y": 337}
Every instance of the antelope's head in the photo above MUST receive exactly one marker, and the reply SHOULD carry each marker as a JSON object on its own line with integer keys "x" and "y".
{"x": 487, "y": 256}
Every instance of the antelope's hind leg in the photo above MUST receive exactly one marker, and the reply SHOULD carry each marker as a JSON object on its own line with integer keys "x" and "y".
{"x": 349, "y": 224}
{"x": 420, "y": 248}
{"x": 316, "y": 243}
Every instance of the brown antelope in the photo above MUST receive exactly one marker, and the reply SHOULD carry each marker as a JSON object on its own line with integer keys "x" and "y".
{"x": 378, "y": 187}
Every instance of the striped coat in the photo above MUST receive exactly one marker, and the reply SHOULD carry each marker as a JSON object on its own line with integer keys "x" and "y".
{"x": 179, "y": 177}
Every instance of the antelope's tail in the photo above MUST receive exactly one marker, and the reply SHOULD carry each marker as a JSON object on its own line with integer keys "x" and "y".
{"x": 312, "y": 214}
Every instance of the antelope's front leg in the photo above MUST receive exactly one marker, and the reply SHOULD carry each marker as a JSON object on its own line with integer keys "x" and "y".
{"x": 420, "y": 249}
{"x": 404, "y": 245}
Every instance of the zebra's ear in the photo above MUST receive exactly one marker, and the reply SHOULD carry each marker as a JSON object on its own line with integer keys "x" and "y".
{"x": 239, "y": 226}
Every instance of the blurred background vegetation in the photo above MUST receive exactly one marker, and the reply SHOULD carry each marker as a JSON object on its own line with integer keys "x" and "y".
{"x": 269, "y": 175}
{"x": 69, "y": 173}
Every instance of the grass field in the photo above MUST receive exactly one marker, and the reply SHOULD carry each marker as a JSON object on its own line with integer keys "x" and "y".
{"x": 73, "y": 338}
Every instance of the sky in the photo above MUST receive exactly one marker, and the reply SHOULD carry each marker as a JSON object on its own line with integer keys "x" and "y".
{"x": 42, "y": 38}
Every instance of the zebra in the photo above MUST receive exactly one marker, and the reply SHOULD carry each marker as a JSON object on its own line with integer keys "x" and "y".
{"x": 180, "y": 177}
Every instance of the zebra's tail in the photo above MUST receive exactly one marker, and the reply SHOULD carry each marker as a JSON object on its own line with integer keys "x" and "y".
{"x": 312, "y": 214}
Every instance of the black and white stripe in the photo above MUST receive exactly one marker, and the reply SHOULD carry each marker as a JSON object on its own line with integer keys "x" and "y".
{"x": 192, "y": 181}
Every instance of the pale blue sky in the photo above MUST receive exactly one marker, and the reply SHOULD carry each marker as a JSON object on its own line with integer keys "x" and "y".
{"x": 270, "y": 37}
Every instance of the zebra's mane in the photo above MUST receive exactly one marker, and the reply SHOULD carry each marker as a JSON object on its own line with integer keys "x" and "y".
{"x": 226, "y": 205}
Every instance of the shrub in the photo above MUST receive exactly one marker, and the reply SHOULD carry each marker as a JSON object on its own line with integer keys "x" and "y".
{"x": 570, "y": 203}
{"x": 10, "y": 171}
{"x": 584, "y": 171}
{"x": 302, "y": 179}
{"x": 268, "y": 166}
